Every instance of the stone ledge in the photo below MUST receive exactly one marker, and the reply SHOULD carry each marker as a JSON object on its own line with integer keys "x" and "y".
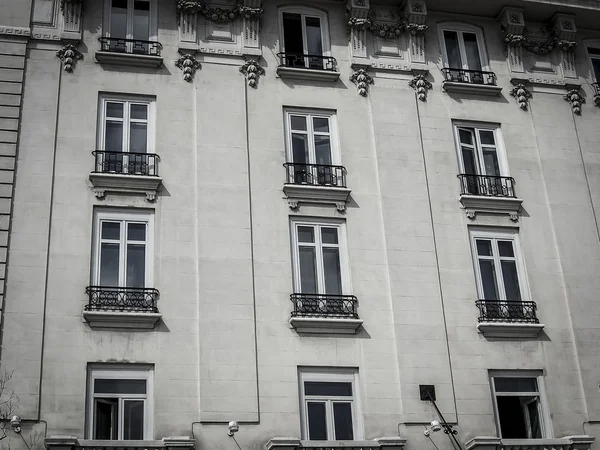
{"x": 474, "y": 204}
{"x": 121, "y": 319}
{"x": 307, "y": 74}
{"x": 302, "y": 193}
{"x": 71, "y": 443}
{"x": 582, "y": 442}
{"x": 288, "y": 443}
{"x": 470, "y": 88}
{"x": 510, "y": 330}
{"x": 128, "y": 59}
{"x": 128, "y": 184}
{"x": 324, "y": 325}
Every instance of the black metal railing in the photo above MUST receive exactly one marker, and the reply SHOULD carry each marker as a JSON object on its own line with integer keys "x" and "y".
{"x": 487, "y": 185}
{"x": 126, "y": 163}
{"x": 596, "y": 87}
{"x": 132, "y": 46}
{"x": 107, "y": 298}
{"x": 324, "y": 305}
{"x": 507, "y": 311}
{"x": 315, "y": 174}
{"x": 301, "y": 61}
{"x": 469, "y": 76}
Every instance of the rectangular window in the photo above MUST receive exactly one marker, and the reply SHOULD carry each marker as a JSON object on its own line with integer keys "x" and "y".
{"x": 304, "y": 39}
{"x": 130, "y": 19}
{"x": 463, "y": 49}
{"x": 594, "y": 54}
{"x": 119, "y": 403}
{"x": 329, "y": 405}
{"x": 520, "y": 405}
{"x": 123, "y": 249}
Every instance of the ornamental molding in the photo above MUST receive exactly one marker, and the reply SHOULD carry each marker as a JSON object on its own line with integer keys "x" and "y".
{"x": 522, "y": 94}
{"x": 421, "y": 84}
{"x": 362, "y": 80}
{"x": 575, "y": 98}
{"x": 219, "y": 15}
{"x": 69, "y": 55}
{"x": 64, "y": 3}
{"x": 252, "y": 70}
{"x": 539, "y": 47}
{"x": 383, "y": 30}
{"x": 15, "y": 31}
{"x": 188, "y": 64}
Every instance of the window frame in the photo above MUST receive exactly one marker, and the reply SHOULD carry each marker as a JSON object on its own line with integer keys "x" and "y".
{"x": 461, "y": 28}
{"x": 543, "y": 409}
{"x": 312, "y": 113}
{"x": 595, "y": 44}
{"x": 481, "y": 126}
{"x": 329, "y": 374}
{"x": 121, "y": 371}
{"x": 153, "y": 25}
{"x": 123, "y": 216}
{"x": 306, "y": 12}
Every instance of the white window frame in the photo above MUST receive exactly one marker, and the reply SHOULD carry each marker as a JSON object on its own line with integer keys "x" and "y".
{"x": 342, "y": 245}
{"x": 479, "y": 126}
{"x": 153, "y": 31}
{"x": 122, "y": 371}
{"x": 543, "y": 409}
{"x": 461, "y": 28}
{"x": 342, "y": 375}
{"x": 596, "y": 45}
{"x": 503, "y": 235}
{"x": 310, "y": 114}
{"x": 125, "y": 217}
{"x": 306, "y": 12}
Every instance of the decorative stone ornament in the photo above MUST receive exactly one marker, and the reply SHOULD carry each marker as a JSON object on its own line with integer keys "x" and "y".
{"x": 575, "y": 98}
{"x": 219, "y": 15}
{"x": 362, "y": 80}
{"x": 69, "y": 56}
{"x": 64, "y": 3}
{"x": 252, "y": 70}
{"x": 421, "y": 85}
{"x": 188, "y": 64}
{"x": 522, "y": 94}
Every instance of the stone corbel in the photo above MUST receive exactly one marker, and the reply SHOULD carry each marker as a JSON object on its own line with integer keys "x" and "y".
{"x": 362, "y": 80}
{"x": 522, "y": 94}
{"x": 513, "y": 27}
{"x": 188, "y": 63}
{"x": 421, "y": 85}
{"x": 252, "y": 70}
{"x": 563, "y": 26}
{"x": 358, "y": 12}
{"x": 69, "y": 55}
{"x": 416, "y": 13}
{"x": 71, "y": 14}
{"x": 575, "y": 98}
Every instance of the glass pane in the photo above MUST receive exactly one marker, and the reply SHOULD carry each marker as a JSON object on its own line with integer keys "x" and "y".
{"x": 136, "y": 265}
{"x": 321, "y": 124}
{"x": 327, "y": 388}
{"x": 113, "y": 140}
{"x": 490, "y": 161}
{"x": 329, "y": 235}
{"x": 511, "y": 417}
{"x": 469, "y": 161}
{"x": 511, "y": 280}
{"x": 139, "y": 112}
{"x": 111, "y": 230}
{"x": 138, "y": 138}
{"x": 317, "y": 421}
{"x": 506, "y": 248}
{"x": 323, "y": 150}
{"x": 119, "y": 386}
{"x": 133, "y": 419}
{"x": 484, "y": 248}
{"x": 109, "y": 265}
{"x": 331, "y": 266}
{"x": 306, "y": 234}
{"x": 487, "y": 137}
{"x": 452, "y": 49}
{"x": 114, "y": 110}
{"x": 313, "y": 36}
{"x": 465, "y": 136}
{"x": 515, "y": 384}
{"x": 105, "y": 419}
{"x": 136, "y": 232}
{"x": 342, "y": 417}
{"x": 300, "y": 148}
{"x": 534, "y": 418}
{"x": 118, "y": 19}
{"x": 596, "y": 66}
{"x": 292, "y": 34}
{"x": 488, "y": 279}
{"x": 298, "y": 123}
{"x": 472, "y": 51}
{"x": 308, "y": 270}
{"x": 141, "y": 20}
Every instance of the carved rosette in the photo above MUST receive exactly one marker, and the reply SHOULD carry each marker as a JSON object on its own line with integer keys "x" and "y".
{"x": 219, "y": 15}
{"x": 252, "y": 70}
{"x": 421, "y": 85}
{"x": 575, "y": 98}
{"x": 69, "y": 55}
{"x": 188, "y": 64}
{"x": 362, "y": 80}
{"x": 522, "y": 94}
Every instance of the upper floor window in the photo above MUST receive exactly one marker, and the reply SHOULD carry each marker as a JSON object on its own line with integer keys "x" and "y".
{"x": 594, "y": 55}
{"x": 463, "y": 54}
{"x": 130, "y": 25}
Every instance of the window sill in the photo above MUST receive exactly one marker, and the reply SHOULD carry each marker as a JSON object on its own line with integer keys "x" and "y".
{"x": 510, "y": 329}
{"x": 582, "y": 442}
{"x": 71, "y": 442}
{"x": 470, "y": 88}
{"x": 128, "y": 59}
{"x": 308, "y": 74}
{"x": 121, "y": 319}
{"x": 287, "y": 443}
{"x": 324, "y": 325}
{"x": 474, "y": 204}
{"x": 330, "y": 195}
{"x": 128, "y": 184}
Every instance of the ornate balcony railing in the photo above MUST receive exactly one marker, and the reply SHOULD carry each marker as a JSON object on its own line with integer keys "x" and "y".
{"x": 301, "y": 61}
{"x": 107, "y": 298}
{"x": 132, "y": 46}
{"x": 487, "y": 185}
{"x": 324, "y": 305}
{"x": 469, "y": 76}
{"x": 315, "y": 174}
{"x": 126, "y": 163}
{"x": 507, "y": 311}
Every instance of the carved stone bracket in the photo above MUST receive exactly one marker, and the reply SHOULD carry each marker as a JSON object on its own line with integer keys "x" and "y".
{"x": 362, "y": 80}
{"x": 522, "y": 94}
{"x": 575, "y": 98}
{"x": 252, "y": 70}
{"x": 188, "y": 64}
{"x": 219, "y": 15}
{"x": 421, "y": 85}
{"x": 69, "y": 55}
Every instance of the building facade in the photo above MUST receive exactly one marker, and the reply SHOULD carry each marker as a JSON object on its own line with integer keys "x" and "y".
{"x": 326, "y": 221}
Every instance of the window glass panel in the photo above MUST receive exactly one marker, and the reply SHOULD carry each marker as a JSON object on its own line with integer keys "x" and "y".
{"x": 511, "y": 417}
{"x": 298, "y": 123}
{"x": 111, "y": 230}
{"x": 484, "y": 247}
{"x": 328, "y": 388}
{"x": 506, "y": 248}
{"x": 533, "y": 411}
{"x": 321, "y": 124}
{"x": 472, "y": 51}
{"x": 487, "y": 137}
{"x": 313, "y": 36}
{"x": 138, "y": 140}
{"x": 488, "y": 279}
{"x": 292, "y": 33}
{"x": 113, "y": 141}
{"x": 109, "y": 265}
{"x": 300, "y": 148}
{"x": 596, "y": 67}
{"x": 466, "y": 136}
{"x": 490, "y": 161}
{"x": 133, "y": 420}
{"x": 139, "y": 112}
{"x": 452, "y": 49}
{"x": 511, "y": 280}
{"x": 136, "y": 265}
{"x": 136, "y": 232}
{"x": 323, "y": 150}
{"x": 510, "y": 384}
{"x": 594, "y": 51}
{"x": 119, "y": 386}
{"x": 141, "y": 20}
{"x": 469, "y": 161}
{"x": 317, "y": 422}
{"x": 306, "y": 234}
{"x": 342, "y": 418}
{"x": 118, "y": 19}
{"x": 114, "y": 110}
{"x": 331, "y": 266}
{"x": 308, "y": 270}
{"x": 105, "y": 419}
{"x": 329, "y": 235}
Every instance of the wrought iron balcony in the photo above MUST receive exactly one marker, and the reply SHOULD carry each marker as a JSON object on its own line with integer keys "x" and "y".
{"x": 131, "y": 46}
{"x": 487, "y": 185}
{"x": 315, "y": 174}
{"x": 324, "y": 305}
{"x": 507, "y": 311}
{"x": 469, "y": 76}
{"x": 126, "y": 163}
{"x": 129, "y": 299}
{"x": 302, "y": 61}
